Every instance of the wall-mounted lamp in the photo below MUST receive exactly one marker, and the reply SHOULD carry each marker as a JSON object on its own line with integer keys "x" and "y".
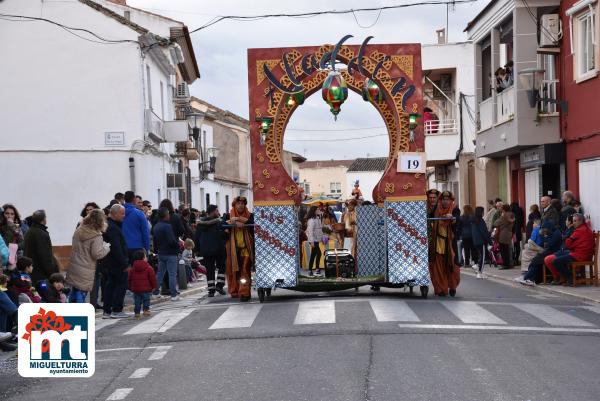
{"x": 412, "y": 125}
{"x": 265, "y": 125}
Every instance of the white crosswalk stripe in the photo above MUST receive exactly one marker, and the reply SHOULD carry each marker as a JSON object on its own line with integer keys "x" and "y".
{"x": 323, "y": 311}
{"x": 551, "y": 315}
{"x": 315, "y": 312}
{"x": 161, "y": 322}
{"x": 393, "y": 311}
{"x": 237, "y": 316}
{"x": 469, "y": 312}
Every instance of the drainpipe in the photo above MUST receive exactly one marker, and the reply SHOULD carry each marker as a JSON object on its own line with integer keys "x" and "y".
{"x": 460, "y": 112}
{"x": 132, "y": 173}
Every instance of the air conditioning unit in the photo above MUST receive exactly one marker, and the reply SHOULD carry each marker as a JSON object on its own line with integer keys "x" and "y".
{"x": 175, "y": 180}
{"x": 182, "y": 93}
{"x": 550, "y": 30}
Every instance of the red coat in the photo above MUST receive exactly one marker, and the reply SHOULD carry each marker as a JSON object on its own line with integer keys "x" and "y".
{"x": 581, "y": 243}
{"x": 142, "y": 277}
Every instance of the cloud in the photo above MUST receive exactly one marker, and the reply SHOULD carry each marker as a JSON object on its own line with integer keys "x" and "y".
{"x": 222, "y": 58}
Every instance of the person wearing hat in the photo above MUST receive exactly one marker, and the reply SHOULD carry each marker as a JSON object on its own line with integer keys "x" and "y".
{"x": 445, "y": 274}
{"x": 240, "y": 250}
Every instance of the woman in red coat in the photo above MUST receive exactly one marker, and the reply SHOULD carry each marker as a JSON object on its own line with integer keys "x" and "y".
{"x": 581, "y": 246}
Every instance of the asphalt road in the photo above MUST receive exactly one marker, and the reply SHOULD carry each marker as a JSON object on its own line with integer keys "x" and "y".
{"x": 492, "y": 342}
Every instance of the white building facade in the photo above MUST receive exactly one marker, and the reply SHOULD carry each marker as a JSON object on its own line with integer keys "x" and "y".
{"x": 82, "y": 120}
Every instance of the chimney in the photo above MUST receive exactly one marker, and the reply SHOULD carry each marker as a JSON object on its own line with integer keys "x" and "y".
{"x": 119, "y": 2}
{"x": 441, "y": 36}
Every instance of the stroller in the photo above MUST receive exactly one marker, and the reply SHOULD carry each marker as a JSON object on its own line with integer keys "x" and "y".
{"x": 494, "y": 255}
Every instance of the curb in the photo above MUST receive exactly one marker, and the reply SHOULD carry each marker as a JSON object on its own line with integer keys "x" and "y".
{"x": 156, "y": 301}
{"x": 540, "y": 288}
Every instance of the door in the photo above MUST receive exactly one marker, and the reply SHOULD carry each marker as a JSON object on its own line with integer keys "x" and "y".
{"x": 532, "y": 187}
{"x": 589, "y": 188}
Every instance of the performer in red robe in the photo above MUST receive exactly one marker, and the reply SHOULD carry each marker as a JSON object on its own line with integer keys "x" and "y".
{"x": 445, "y": 274}
{"x": 240, "y": 251}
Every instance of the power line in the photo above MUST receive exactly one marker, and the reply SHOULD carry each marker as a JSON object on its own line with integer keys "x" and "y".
{"x": 328, "y": 12}
{"x": 334, "y": 129}
{"x": 336, "y": 140}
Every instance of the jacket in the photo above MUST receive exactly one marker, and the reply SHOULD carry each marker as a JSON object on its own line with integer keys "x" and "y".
{"x": 210, "y": 237}
{"x": 116, "y": 260}
{"x": 466, "y": 221}
{"x": 480, "y": 234}
{"x": 551, "y": 214}
{"x": 581, "y": 243}
{"x": 536, "y": 236}
{"x": 553, "y": 237}
{"x": 38, "y": 247}
{"x": 141, "y": 277}
{"x": 3, "y": 253}
{"x": 314, "y": 230}
{"x": 565, "y": 212}
{"x": 88, "y": 247}
{"x": 135, "y": 228}
{"x": 165, "y": 242}
{"x": 504, "y": 224}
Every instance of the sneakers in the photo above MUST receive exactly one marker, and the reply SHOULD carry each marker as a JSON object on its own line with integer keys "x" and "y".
{"x": 137, "y": 316}
{"x": 147, "y": 313}
{"x": 175, "y": 298}
{"x": 221, "y": 291}
{"x": 475, "y": 267}
{"x": 5, "y": 336}
{"x": 119, "y": 315}
{"x": 479, "y": 275}
{"x": 106, "y": 315}
{"x": 530, "y": 283}
{"x": 522, "y": 280}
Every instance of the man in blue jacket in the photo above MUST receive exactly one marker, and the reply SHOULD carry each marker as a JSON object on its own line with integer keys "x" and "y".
{"x": 135, "y": 227}
{"x": 167, "y": 247}
{"x": 552, "y": 243}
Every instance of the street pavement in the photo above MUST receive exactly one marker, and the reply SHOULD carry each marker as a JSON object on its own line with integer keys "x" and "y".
{"x": 494, "y": 341}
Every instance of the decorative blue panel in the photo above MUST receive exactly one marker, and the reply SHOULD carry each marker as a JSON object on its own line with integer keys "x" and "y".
{"x": 406, "y": 226}
{"x": 371, "y": 240}
{"x": 276, "y": 242}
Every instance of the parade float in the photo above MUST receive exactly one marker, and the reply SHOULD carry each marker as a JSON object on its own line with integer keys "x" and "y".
{"x": 391, "y": 235}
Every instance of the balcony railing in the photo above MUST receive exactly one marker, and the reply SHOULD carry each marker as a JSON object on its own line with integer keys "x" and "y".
{"x": 486, "y": 116}
{"x": 441, "y": 127}
{"x": 548, "y": 96}
{"x": 505, "y": 105}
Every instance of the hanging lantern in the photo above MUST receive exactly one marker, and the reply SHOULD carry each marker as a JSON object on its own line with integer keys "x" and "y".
{"x": 371, "y": 92}
{"x": 265, "y": 124}
{"x": 294, "y": 99}
{"x": 335, "y": 91}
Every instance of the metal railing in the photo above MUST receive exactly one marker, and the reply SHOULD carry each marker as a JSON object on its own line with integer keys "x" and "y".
{"x": 548, "y": 96}
{"x": 441, "y": 127}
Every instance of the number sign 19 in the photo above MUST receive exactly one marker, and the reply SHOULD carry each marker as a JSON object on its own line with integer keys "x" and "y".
{"x": 412, "y": 162}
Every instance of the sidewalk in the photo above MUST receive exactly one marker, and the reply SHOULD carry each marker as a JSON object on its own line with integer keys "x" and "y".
{"x": 586, "y": 293}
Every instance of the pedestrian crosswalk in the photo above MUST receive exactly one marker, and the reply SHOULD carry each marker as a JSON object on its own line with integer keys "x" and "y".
{"x": 327, "y": 312}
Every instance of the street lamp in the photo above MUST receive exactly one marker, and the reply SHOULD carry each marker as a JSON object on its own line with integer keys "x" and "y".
{"x": 531, "y": 79}
{"x": 208, "y": 156}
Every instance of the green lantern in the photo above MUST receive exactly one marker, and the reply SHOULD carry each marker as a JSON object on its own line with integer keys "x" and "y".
{"x": 334, "y": 92}
{"x": 371, "y": 92}
{"x": 294, "y": 99}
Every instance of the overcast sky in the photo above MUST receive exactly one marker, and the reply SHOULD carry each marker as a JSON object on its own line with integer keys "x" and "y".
{"x": 221, "y": 54}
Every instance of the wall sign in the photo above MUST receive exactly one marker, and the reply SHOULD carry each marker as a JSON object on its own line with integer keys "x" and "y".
{"x": 412, "y": 162}
{"x": 114, "y": 139}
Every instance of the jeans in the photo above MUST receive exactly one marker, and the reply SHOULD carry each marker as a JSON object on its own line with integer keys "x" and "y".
{"x": 138, "y": 299}
{"x": 315, "y": 255}
{"x": 97, "y": 289}
{"x": 7, "y": 311}
{"x": 77, "y": 296}
{"x": 534, "y": 270}
{"x": 167, "y": 264}
{"x": 114, "y": 291}
{"x": 468, "y": 250}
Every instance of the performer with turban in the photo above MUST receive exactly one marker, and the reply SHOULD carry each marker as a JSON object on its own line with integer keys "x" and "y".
{"x": 445, "y": 274}
{"x": 240, "y": 251}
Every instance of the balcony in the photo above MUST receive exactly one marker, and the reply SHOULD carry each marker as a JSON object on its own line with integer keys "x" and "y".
{"x": 441, "y": 127}
{"x": 486, "y": 114}
{"x": 165, "y": 131}
{"x": 505, "y": 105}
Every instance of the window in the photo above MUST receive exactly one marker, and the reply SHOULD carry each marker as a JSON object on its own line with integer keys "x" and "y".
{"x": 335, "y": 188}
{"x": 585, "y": 46}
